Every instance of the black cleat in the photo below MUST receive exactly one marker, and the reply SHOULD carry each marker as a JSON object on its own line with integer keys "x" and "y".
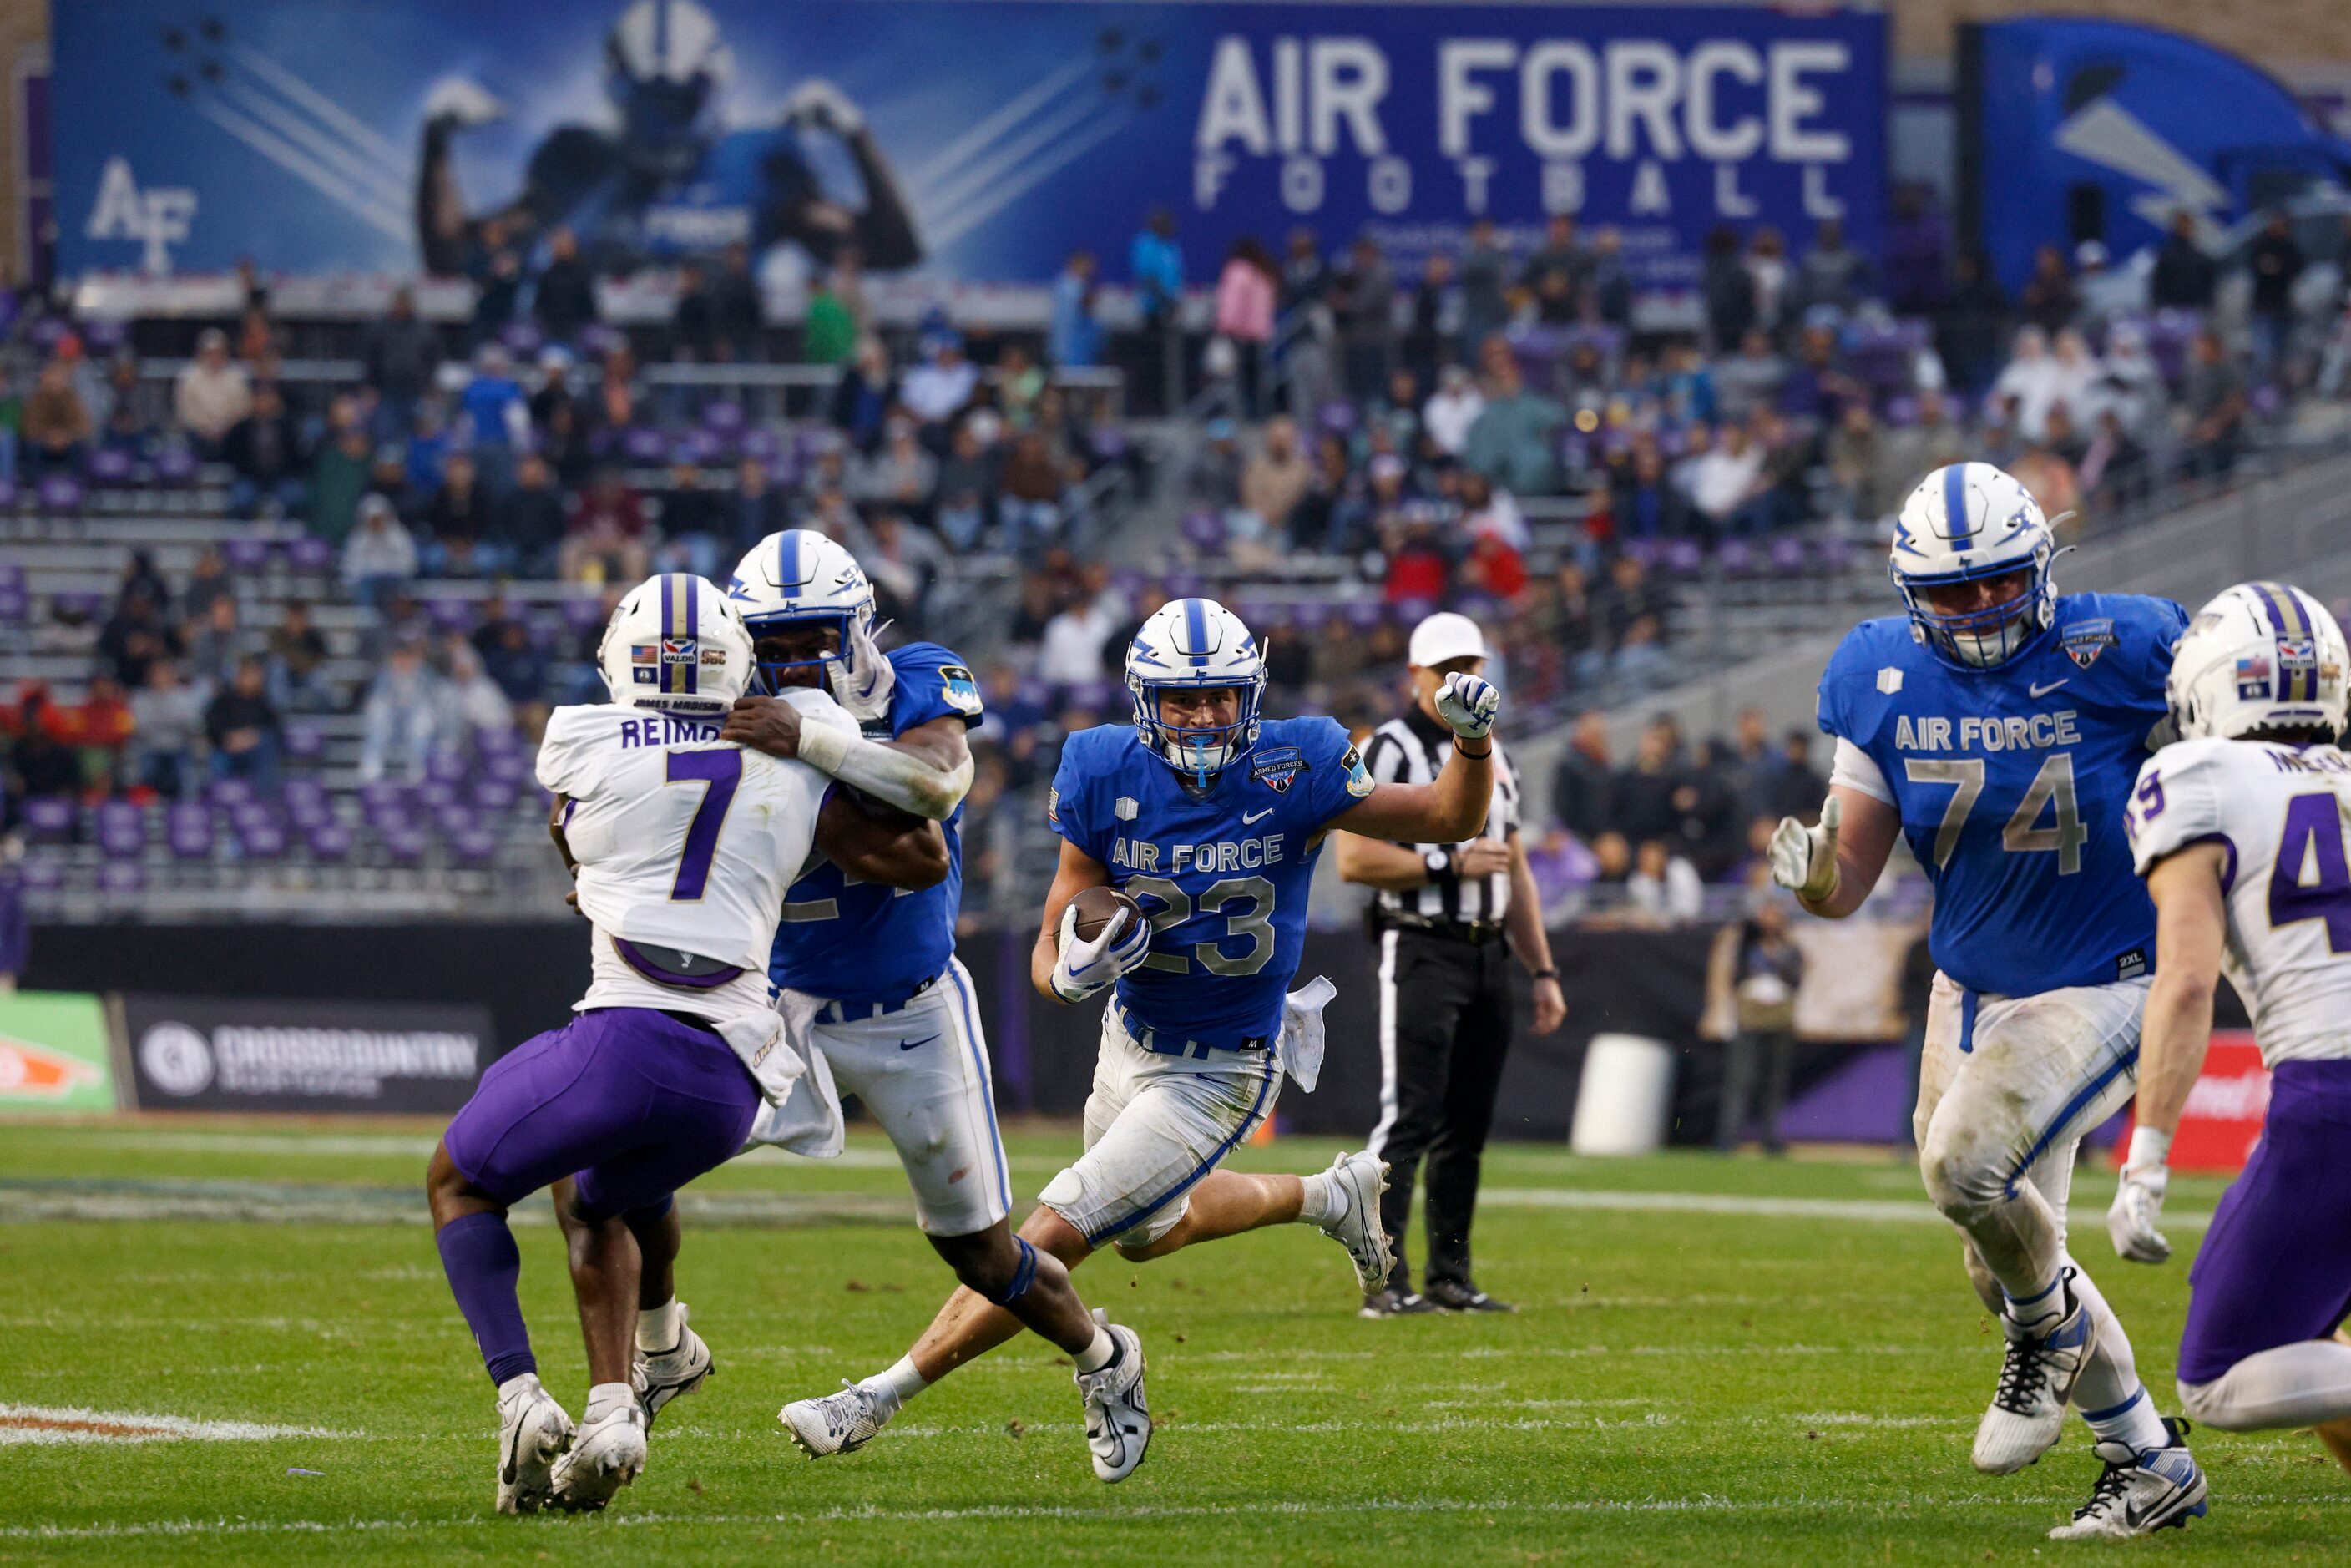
{"x": 1394, "y": 1303}
{"x": 1457, "y": 1296}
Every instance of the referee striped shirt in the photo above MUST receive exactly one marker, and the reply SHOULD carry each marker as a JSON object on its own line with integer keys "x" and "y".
{"x": 1412, "y": 750}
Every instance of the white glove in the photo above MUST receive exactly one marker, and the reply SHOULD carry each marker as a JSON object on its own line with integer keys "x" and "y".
{"x": 1085, "y": 968}
{"x": 1804, "y": 859}
{"x": 2139, "y": 1201}
{"x": 465, "y": 101}
{"x": 1468, "y": 705}
{"x": 819, "y": 103}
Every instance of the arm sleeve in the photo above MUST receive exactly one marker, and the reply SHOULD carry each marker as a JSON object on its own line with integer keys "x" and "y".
{"x": 1855, "y": 770}
{"x": 2176, "y": 804}
{"x": 932, "y": 683}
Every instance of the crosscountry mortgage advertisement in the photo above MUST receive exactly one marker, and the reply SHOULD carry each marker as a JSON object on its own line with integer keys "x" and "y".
{"x": 219, "y": 1053}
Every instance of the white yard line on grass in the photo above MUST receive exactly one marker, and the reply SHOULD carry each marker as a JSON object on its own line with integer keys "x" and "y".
{"x": 70, "y": 1424}
{"x": 1867, "y": 1210}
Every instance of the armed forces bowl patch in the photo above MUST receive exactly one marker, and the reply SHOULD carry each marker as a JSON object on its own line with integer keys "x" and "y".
{"x": 2084, "y": 641}
{"x": 1276, "y": 767}
{"x": 958, "y": 689}
{"x": 1359, "y": 777}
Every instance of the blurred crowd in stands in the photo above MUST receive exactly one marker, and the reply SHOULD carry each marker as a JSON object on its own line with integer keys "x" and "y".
{"x": 1505, "y": 428}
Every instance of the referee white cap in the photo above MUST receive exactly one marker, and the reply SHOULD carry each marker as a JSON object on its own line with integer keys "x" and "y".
{"x": 1446, "y": 636}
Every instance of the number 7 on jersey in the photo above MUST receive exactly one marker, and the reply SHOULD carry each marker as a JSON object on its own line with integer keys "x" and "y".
{"x": 719, "y": 771}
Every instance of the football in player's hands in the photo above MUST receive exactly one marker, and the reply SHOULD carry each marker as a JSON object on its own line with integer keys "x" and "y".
{"x": 1097, "y": 908}
{"x": 1468, "y": 705}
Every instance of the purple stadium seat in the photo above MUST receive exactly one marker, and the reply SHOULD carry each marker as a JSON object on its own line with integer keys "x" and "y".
{"x": 1648, "y": 552}
{"x": 473, "y": 846}
{"x": 1312, "y": 614}
{"x": 1834, "y": 554}
{"x": 1183, "y": 585}
{"x": 1110, "y": 443}
{"x": 1683, "y": 557}
{"x": 522, "y": 338}
{"x": 723, "y": 418}
{"x": 15, "y": 607}
{"x": 261, "y": 839}
{"x": 310, "y": 555}
{"x": 600, "y": 339}
{"x": 583, "y": 615}
{"x": 434, "y": 793}
{"x": 1337, "y": 418}
{"x": 1735, "y": 557}
{"x": 48, "y": 819}
{"x": 122, "y": 830}
{"x": 390, "y": 817}
{"x": 230, "y": 794}
{"x": 329, "y": 840}
{"x": 121, "y": 879}
{"x": 445, "y": 766}
{"x": 43, "y": 873}
{"x": 1787, "y": 556}
{"x": 175, "y": 465}
{"x": 1366, "y": 614}
{"x": 12, "y": 577}
{"x": 450, "y": 613}
{"x": 403, "y": 846}
{"x": 59, "y": 492}
{"x": 245, "y": 555}
{"x": 379, "y": 794}
{"x": 188, "y": 829}
{"x": 305, "y": 742}
{"x": 492, "y": 794}
{"x": 1205, "y": 532}
{"x": 80, "y": 607}
{"x": 110, "y": 465}
{"x": 509, "y": 767}
{"x": 648, "y": 448}
{"x": 10, "y": 494}
{"x": 45, "y": 333}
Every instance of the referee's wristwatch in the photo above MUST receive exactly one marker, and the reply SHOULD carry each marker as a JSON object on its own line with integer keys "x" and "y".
{"x": 1439, "y": 862}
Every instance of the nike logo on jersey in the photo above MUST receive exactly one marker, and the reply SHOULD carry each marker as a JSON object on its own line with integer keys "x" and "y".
{"x": 916, "y": 1044}
{"x": 2039, "y": 690}
{"x": 1250, "y": 818}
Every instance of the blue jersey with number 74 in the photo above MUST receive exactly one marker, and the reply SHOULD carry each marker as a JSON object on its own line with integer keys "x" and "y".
{"x": 1223, "y": 872}
{"x": 2011, "y": 784}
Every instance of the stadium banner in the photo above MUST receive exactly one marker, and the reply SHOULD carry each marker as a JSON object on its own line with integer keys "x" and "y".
{"x": 54, "y": 1053}
{"x": 2222, "y": 1119}
{"x": 215, "y": 1053}
{"x": 978, "y": 140}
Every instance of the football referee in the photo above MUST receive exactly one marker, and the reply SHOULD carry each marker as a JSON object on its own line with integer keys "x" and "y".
{"x": 1448, "y": 916}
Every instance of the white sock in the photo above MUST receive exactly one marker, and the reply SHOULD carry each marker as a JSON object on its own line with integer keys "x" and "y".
{"x": 657, "y": 1327}
{"x": 605, "y": 1397}
{"x": 1099, "y": 1354}
{"x": 2134, "y": 1422}
{"x": 1325, "y": 1201}
{"x": 894, "y": 1387}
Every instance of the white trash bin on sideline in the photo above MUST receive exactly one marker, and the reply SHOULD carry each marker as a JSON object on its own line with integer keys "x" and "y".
{"x": 1625, "y": 1097}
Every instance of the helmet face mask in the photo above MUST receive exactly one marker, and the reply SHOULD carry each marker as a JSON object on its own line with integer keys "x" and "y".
{"x": 1971, "y": 523}
{"x": 2262, "y": 660}
{"x": 1187, "y": 649}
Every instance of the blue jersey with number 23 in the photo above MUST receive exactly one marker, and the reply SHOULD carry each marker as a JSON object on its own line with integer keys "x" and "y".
{"x": 1223, "y": 872}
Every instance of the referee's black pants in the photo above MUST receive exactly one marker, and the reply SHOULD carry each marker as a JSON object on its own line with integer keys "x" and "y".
{"x": 1444, "y": 1029}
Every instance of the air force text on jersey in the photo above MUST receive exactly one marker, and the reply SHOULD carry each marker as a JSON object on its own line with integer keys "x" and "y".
{"x": 1988, "y": 732}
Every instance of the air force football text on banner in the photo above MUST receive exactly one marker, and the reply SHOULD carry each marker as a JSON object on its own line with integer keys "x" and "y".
{"x": 218, "y": 1053}
{"x": 972, "y": 139}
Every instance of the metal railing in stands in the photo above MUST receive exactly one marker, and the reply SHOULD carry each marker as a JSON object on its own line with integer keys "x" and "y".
{"x": 769, "y": 391}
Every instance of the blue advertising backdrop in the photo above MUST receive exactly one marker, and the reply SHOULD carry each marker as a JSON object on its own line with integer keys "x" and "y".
{"x": 981, "y": 139}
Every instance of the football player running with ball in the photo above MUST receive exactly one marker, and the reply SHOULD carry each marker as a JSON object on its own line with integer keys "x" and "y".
{"x": 2238, "y": 829}
{"x": 1998, "y": 728}
{"x": 1210, "y": 818}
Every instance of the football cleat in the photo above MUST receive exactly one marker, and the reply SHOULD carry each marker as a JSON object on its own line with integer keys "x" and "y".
{"x": 1392, "y": 1302}
{"x": 607, "y": 1454}
{"x": 533, "y": 1432}
{"x": 1460, "y": 1296}
{"x": 1118, "y": 1416}
{"x": 838, "y": 1423}
{"x": 2027, "y": 1414}
{"x": 661, "y": 1376}
{"x": 2140, "y": 1494}
{"x": 1362, "y": 1178}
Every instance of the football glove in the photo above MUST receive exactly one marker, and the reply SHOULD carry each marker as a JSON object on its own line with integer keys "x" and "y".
{"x": 1468, "y": 705}
{"x": 825, "y": 106}
{"x": 1804, "y": 859}
{"x": 1085, "y": 968}
{"x": 2137, "y": 1207}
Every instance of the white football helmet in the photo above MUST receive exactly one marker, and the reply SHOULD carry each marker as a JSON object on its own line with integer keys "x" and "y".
{"x": 1190, "y": 644}
{"x": 800, "y": 578}
{"x": 1964, "y": 522}
{"x": 674, "y": 645}
{"x": 2261, "y": 659}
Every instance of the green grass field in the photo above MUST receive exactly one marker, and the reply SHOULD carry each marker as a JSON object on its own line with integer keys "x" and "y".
{"x": 1717, "y": 1361}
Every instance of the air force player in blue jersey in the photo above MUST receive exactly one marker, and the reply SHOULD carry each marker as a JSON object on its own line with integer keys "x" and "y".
{"x": 1999, "y": 727}
{"x": 1210, "y": 818}
{"x": 891, "y": 1010}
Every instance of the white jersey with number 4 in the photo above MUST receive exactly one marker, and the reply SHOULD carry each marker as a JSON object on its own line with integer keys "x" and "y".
{"x": 686, "y": 844}
{"x": 2279, "y": 812}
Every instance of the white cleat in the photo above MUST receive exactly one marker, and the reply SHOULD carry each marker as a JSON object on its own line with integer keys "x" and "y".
{"x": 661, "y": 1377}
{"x": 2027, "y": 1414}
{"x": 838, "y": 1423}
{"x": 607, "y": 1454}
{"x": 533, "y": 1432}
{"x": 1362, "y": 1178}
{"x": 1118, "y": 1416}
{"x": 2140, "y": 1494}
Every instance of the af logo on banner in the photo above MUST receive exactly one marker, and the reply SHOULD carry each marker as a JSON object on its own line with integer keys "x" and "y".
{"x": 156, "y": 218}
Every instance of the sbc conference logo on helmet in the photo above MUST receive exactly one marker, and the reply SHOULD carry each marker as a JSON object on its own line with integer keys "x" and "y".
{"x": 176, "y": 1059}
